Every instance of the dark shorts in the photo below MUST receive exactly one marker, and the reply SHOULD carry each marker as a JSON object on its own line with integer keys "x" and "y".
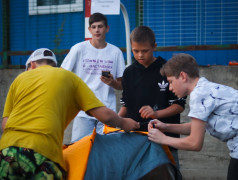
{"x": 233, "y": 169}
{"x": 22, "y": 163}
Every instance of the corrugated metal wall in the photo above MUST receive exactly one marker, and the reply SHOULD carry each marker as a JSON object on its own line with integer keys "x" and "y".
{"x": 57, "y": 31}
{"x": 54, "y": 31}
{"x": 179, "y": 25}
{"x": 199, "y": 22}
{"x": 203, "y": 22}
{"x": 1, "y": 34}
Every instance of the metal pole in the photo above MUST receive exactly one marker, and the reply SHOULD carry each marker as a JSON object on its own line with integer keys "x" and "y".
{"x": 127, "y": 27}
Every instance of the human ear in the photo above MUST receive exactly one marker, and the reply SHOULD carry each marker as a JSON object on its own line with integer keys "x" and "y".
{"x": 89, "y": 29}
{"x": 155, "y": 46}
{"x": 183, "y": 75}
{"x": 108, "y": 28}
{"x": 33, "y": 65}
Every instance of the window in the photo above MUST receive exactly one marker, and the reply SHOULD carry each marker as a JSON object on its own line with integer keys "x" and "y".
{"x": 54, "y": 6}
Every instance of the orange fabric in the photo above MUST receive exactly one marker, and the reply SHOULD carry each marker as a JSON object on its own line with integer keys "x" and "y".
{"x": 76, "y": 157}
{"x": 108, "y": 129}
{"x": 169, "y": 154}
{"x": 233, "y": 63}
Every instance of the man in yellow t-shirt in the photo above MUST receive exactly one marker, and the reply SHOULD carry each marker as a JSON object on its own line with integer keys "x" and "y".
{"x": 40, "y": 104}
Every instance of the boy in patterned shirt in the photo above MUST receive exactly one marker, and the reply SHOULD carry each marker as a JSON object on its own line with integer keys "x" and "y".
{"x": 213, "y": 107}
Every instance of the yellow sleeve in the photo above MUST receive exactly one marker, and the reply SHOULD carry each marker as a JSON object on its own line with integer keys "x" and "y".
{"x": 85, "y": 98}
{"x": 8, "y": 103}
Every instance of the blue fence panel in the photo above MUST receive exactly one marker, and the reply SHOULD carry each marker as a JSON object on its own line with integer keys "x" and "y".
{"x": 1, "y": 25}
{"x": 181, "y": 23}
{"x": 58, "y": 31}
{"x": 1, "y": 33}
{"x": 175, "y": 23}
{"x": 205, "y": 57}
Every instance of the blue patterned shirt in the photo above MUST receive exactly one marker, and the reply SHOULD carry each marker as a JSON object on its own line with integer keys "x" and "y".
{"x": 217, "y": 105}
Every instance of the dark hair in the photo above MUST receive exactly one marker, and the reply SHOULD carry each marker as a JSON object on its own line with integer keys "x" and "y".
{"x": 28, "y": 66}
{"x": 143, "y": 34}
{"x": 178, "y": 63}
{"x": 46, "y": 61}
{"x": 96, "y": 17}
{"x": 43, "y": 61}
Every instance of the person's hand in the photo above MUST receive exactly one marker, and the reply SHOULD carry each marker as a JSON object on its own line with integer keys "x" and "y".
{"x": 147, "y": 112}
{"x": 156, "y": 136}
{"x": 107, "y": 80}
{"x": 129, "y": 124}
{"x": 157, "y": 124}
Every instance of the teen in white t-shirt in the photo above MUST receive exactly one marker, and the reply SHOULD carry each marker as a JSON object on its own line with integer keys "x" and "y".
{"x": 88, "y": 59}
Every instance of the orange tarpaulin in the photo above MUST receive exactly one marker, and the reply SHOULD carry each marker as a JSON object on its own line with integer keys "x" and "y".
{"x": 76, "y": 155}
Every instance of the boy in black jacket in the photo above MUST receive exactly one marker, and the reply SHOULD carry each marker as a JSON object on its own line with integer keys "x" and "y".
{"x": 146, "y": 94}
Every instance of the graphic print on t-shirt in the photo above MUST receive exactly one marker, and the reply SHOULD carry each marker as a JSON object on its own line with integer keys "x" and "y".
{"x": 163, "y": 86}
{"x": 96, "y": 66}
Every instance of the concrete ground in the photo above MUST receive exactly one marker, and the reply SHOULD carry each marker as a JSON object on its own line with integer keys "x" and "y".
{"x": 209, "y": 164}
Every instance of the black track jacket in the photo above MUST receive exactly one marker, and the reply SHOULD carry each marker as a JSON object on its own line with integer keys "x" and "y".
{"x": 145, "y": 86}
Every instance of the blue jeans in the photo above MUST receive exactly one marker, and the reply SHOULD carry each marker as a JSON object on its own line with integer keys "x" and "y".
{"x": 83, "y": 126}
{"x": 233, "y": 169}
{"x": 175, "y": 155}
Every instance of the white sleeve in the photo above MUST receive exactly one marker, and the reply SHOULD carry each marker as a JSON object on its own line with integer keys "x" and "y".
{"x": 71, "y": 58}
{"x": 120, "y": 64}
{"x": 201, "y": 104}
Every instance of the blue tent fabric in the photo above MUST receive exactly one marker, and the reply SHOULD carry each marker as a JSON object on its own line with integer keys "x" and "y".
{"x": 124, "y": 156}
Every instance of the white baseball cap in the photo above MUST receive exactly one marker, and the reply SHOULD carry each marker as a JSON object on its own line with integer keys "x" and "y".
{"x": 42, "y": 53}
